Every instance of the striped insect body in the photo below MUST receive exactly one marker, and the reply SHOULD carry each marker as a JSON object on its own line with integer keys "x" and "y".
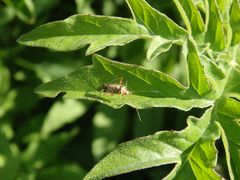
{"x": 115, "y": 88}
{"x": 118, "y": 89}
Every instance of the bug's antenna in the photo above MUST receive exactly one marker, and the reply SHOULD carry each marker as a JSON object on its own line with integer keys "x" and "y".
{"x": 140, "y": 119}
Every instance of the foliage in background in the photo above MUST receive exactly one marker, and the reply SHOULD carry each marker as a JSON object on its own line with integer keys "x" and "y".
{"x": 45, "y": 139}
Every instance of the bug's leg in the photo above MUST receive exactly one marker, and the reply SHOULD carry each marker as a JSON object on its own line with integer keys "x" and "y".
{"x": 121, "y": 80}
{"x": 119, "y": 91}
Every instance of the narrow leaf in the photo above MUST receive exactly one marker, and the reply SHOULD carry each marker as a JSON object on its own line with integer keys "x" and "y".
{"x": 160, "y": 45}
{"x": 235, "y": 158}
{"x": 228, "y": 116}
{"x": 197, "y": 75}
{"x": 232, "y": 87}
{"x": 215, "y": 29}
{"x": 42, "y": 151}
{"x": 9, "y": 159}
{"x": 109, "y": 127}
{"x": 235, "y": 22}
{"x": 156, "y": 22}
{"x": 191, "y": 16}
{"x": 60, "y": 114}
{"x": 79, "y": 30}
{"x": 224, "y": 6}
{"x": 61, "y": 172}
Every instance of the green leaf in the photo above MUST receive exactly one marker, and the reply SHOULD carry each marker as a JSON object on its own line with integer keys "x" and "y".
{"x": 235, "y": 158}
{"x": 24, "y": 10}
{"x": 9, "y": 159}
{"x": 109, "y": 126}
{"x": 156, "y": 22}
{"x": 228, "y": 116}
{"x": 61, "y": 114}
{"x": 148, "y": 88}
{"x": 235, "y": 21}
{"x": 192, "y": 149}
{"x": 4, "y": 80}
{"x": 197, "y": 75}
{"x": 79, "y": 30}
{"x": 41, "y": 7}
{"x": 84, "y": 7}
{"x": 200, "y": 5}
{"x": 224, "y": 9}
{"x": 7, "y": 13}
{"x": 61, "y": 172}
{"x": 215, "y": 30}
{"x": 191, "y": 16}
{"x": 7, "y": 96}
{"x": 224, "y": 6}
{"x": 232, "y": 86}
{"x": 42, "y": 151}
{"x": 160, "y": 45}
{"x": 212, "y": 69}
{"x": 8, "y": 102}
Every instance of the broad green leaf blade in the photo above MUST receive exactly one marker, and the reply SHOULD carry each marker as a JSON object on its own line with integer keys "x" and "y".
{"x": 160, "y": 45}
{"x": 156, "y": 22}
{"x": 166, "y": 147}
{"x": 79, "y": 30}
{"x": 215, "y": 30}
{"x": 198, "y": 79}
{"x": 148, "y": 88}
{"x": 235, "y": 22}
{"x": 191, "y": 16}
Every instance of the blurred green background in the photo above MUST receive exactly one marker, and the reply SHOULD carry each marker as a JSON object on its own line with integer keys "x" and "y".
{"x": 42, "y": 138}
